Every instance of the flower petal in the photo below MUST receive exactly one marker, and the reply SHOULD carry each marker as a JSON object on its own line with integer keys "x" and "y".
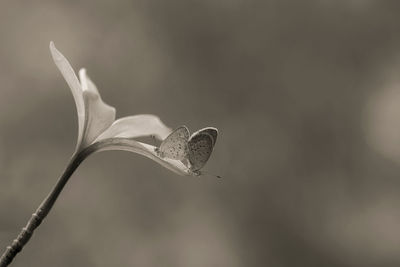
{"x": 73, "y": 82}
{"x": 98, "y": 115}
{"x": 137, "y": 126}
{"x": 146, "y": 150}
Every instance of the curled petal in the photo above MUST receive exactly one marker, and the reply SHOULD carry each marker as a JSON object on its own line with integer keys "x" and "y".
{"x": 137, "y": 126}
{"x": 86, "y": 83}
{"x": 143, "y": 149}
{"x": 98, "y": 115}
{"x": 73, "y": 82}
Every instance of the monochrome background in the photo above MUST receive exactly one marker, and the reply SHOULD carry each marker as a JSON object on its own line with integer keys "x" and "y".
{"x": 306, "y": 97}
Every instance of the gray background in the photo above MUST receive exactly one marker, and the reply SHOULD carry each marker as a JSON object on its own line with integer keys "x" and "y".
{"x": 305, "y": 95}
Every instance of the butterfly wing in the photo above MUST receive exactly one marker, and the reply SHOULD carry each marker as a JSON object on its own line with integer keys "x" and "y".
{"x": 201, "y": 144}
{"x": 175, "y": 146}
{"x": 213, "y": 132}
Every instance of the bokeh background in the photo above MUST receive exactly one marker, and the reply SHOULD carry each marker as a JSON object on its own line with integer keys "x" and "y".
{"x": 306, "y": 97}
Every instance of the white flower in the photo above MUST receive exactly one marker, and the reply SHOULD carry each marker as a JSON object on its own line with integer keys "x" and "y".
{"x": 99, "y": 131}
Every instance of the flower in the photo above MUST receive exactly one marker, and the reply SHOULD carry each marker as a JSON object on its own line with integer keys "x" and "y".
{"x": 99, "y": 131}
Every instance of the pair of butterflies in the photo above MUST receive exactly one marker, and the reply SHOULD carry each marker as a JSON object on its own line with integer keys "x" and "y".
{"x": 194, "y": 151}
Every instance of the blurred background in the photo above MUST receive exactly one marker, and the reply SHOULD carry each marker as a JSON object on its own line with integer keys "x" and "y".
{"x": 306, "y": 97}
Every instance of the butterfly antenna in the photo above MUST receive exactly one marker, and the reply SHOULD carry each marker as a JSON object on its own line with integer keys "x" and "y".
{"x": 210, "y": 174}
{"x": 153, "y": 137}
{"x": 156, "y": 148}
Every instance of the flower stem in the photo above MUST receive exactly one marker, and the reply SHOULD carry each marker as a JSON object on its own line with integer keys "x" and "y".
{"x": 42, "y": 210}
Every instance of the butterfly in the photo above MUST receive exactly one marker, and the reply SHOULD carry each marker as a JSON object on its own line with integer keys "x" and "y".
{"x": 194, "y": 151}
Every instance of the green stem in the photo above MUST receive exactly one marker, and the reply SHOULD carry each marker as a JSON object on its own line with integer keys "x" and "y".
{"x": 43, "y": 209}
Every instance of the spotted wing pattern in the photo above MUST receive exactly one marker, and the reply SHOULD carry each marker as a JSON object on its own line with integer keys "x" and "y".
{"x": 201, "y": 145}
{"x": 213, "y": 132}
{"x": 175, "y": 146}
